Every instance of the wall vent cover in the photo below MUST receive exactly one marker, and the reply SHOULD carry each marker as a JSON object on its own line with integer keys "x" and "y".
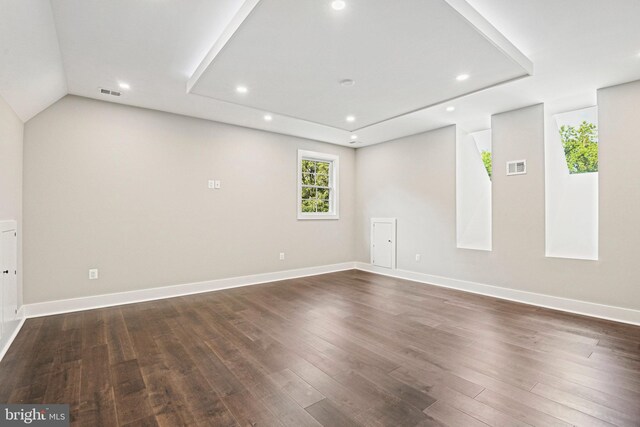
{"x": 109, "y": 92}
{"x": 517, "y": 167}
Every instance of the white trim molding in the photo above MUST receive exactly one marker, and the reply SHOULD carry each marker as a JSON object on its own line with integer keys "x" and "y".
{"x": 109, "y": 300}
{"x": 8, "y": 225}
{"x": 601, "y": 311}
{"x": 617, "y": 314}
{"x": 12, "y": 332}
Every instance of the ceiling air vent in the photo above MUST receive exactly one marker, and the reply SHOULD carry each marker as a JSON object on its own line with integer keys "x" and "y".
{"x": 109, "y": 92}
{"x": 517, "y": 167}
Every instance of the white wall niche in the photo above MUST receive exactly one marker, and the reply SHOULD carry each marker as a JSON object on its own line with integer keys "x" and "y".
{"x": 571, "y": 208}
{"x": 473, "y": 190}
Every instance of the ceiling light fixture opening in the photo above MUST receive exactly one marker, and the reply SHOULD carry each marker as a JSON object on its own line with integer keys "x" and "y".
{"x": 351, "y": 119}
{"x": 451, "y": 108}
{"x": 242, "y": 89}
{"x": 338, "y": 5}
{"x": 347, "y": 82}
{"x": 124, "y": 85}
{"x": 268, "y": 117}
{"x": 462, "y": 77}
{"x": 354, "y": 137}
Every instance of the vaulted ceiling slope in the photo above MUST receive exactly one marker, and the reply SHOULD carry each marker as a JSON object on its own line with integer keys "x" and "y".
{"x": 31, "y": 72}
{"x": 277, "y": 65}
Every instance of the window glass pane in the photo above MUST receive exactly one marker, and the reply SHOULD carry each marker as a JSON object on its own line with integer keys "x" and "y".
{"x": 308, "y": 179}
{"x": 308, "y": 166}
{"x": 322, "y": 206}
{"x": 323, "y": 194}
{"x": 322, "y": 167}
{"x": 322, "y": 180}
{"x": 580, "y": 143}
{"x": 309, "y": 193}
{"x": 308, "y": 206}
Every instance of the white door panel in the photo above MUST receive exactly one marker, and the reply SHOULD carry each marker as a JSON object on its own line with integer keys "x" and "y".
{"x": 8, "y": 272}
{"x": 383, "y": 242}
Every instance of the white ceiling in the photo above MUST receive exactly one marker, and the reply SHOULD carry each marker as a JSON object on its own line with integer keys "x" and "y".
{"x": 401, "y": 59}
{"x": 48, "y": 49}
{"x": 31, "y": 72}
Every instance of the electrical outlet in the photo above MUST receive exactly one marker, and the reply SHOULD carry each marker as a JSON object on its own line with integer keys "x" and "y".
{"x": 281, "y": 256}
{"x": 217, "y": 184}
{"x": 212, "y": 184}
{"x": 417, "y": 257}
{"x": 93, "y": 274}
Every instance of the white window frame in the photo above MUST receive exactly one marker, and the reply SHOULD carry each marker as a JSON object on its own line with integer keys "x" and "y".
{"x": 333, "y": 184}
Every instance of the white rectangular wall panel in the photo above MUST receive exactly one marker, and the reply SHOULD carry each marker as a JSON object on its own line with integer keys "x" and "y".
{"x": 383, "y": 242}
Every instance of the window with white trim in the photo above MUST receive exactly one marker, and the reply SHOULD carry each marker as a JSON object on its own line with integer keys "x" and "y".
{"x": 317, "y": 185}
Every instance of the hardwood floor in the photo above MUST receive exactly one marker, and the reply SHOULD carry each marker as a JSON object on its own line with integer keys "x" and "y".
{"x": 341, "y": 349}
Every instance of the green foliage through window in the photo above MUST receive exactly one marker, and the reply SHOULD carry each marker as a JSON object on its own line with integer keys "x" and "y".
{"x": 486, "y": 159}
{"x": 315, "y": 186}
{"x": 580, "y": 145}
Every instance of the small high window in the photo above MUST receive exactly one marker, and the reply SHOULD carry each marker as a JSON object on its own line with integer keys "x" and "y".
{"x": 317, "y": 185}
{"x": 579, "y": 137}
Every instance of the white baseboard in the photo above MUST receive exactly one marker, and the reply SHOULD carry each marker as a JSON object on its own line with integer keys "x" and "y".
{"x": 48, "y": 308}
{"x": 108, "y": 300}
{"x": 10, "y": 335}
{"x": 601, "y": 311}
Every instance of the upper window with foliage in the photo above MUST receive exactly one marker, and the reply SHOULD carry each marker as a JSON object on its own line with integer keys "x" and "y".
{"x": 486, "y": 159}
{"x": 483, "y": 144}
{"x": 580, "y": 145}
{"x": 579, "y": 136}
{"x": 317, "y": 185}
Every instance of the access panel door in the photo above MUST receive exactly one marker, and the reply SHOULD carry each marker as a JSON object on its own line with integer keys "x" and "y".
{"x": 383, "y": 242}
{"x": 9, "y": 268}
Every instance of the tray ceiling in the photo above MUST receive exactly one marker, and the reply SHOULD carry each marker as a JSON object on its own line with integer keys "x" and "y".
{"x": 292, "y": 55}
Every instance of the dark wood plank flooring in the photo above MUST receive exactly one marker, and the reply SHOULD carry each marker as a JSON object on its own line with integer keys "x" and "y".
{"x": 341, "y": 349}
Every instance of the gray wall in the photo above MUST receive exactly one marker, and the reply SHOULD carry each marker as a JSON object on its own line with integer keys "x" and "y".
{"x": 619, "y": 171}
{"x": 413, "y": 179}
{"x": 125, "y": 190}
{"x": 11, "y": 134}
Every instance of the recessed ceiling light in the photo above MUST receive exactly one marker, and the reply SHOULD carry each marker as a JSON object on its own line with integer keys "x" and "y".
{"x": 338, "y": 5}
{"x": 242, "y": 89}
{"x": 268, "y": 117}
{"x": 347, "y": 82}
{"x": 124, "y": 86}
{"x": 451, "y": 108}
{"x": 462, "y": 77}
{"x": 354, "y": 136}
{"x": 351, "y": 119}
